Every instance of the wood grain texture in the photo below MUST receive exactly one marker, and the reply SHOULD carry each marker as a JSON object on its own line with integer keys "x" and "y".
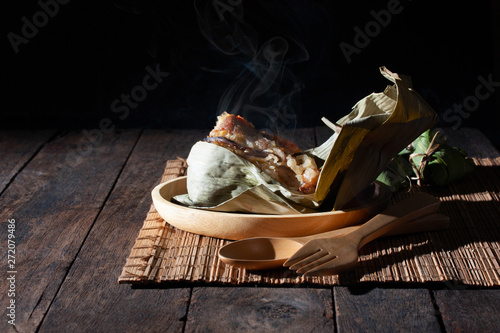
{"x": 90, "y": 298}
{"x": 465, "y": 310}
{"x": 55, "y": 200}
{"x": 260, "y": 310}
{"x": 71, "y": 250}
{"x": 237, "y": 225}
{"x": 472, "y": 141}
{"x": 361, "y": 309}
{"x": 342, "y": 252}
{"x": 495, "y": 30}
{"x": 304, "y": 138}
{"x": 322, "y": 134}
{"x": 16, "y": 149}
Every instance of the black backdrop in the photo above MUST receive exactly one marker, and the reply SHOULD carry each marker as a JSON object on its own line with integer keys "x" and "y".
{"x": 71, "y": 64}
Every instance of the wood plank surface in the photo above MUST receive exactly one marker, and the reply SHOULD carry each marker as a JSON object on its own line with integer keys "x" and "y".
{"x": 16, "y": 149}
{"x": 263, "y": 309}
{"x": 304, "y": 138}
{"x": 260, "y": 310}
{"x": 472, "y": 141}
{"x": 90, "y": 300}
{"x": 79, "y": 208}
{"x": 412, "y": 310}
{"x": 54, "y": 201}
{"x": 363, "y": 309}
{"x": 472, "y": 310}
{"x": 462, "y": 309}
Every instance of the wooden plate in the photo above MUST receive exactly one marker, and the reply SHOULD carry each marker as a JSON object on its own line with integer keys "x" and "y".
{"x": 239, "y": 226}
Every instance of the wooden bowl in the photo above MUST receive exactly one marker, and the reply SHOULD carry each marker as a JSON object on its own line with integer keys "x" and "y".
{"x": 236, "y": 226}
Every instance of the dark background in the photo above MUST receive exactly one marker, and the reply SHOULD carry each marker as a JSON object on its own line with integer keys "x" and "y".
{"x": 91, "y": 52}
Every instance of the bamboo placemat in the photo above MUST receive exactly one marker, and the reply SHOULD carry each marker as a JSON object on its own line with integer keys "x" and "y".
{"x": 467, "y": 253}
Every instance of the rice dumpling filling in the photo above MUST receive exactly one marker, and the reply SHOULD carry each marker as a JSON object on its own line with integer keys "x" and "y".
{"x": 278, "y": 157}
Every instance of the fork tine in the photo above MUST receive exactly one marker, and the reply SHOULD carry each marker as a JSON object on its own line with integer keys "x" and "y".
{"x": 309, "y": 259}
{"x": 301, "y": 254}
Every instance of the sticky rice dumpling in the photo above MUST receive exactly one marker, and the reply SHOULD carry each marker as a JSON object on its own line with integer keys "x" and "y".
{"x": 238, "y": 168}
{"x": 278, "y": 157}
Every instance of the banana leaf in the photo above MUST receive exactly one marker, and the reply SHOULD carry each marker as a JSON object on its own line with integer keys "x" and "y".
{"x": 223, "y": 181}
{"x": 377, "y": 129}
{"x": 397, "y": 174}
{"x": 444, "y": 164}
{"x": 429, "y": 160}
{"x": 360, "y": 148}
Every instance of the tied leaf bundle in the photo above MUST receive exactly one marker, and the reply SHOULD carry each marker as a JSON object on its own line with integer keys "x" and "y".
{"x": 377, "y": 129}
{"x": 361, "y": 147}
{"x": 428, "y": 160}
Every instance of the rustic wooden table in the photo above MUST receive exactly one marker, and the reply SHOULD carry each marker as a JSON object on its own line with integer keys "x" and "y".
{"x": 74, "y": 201}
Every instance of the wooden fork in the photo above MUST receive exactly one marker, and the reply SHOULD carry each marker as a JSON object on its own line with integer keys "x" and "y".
{"x": 328, "y": 256}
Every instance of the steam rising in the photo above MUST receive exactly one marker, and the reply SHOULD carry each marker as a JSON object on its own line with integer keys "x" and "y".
{"x": 265, "y": 92}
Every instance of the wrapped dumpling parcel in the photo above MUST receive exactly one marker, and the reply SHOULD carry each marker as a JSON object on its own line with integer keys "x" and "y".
{"x": 239, "y": 169}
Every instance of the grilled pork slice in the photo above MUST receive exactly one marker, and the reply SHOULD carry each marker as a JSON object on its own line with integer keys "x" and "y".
{"x": 280, "y": 158}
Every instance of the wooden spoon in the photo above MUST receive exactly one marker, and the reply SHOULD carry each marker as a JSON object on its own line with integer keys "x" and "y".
{"x": 262, "y": 253}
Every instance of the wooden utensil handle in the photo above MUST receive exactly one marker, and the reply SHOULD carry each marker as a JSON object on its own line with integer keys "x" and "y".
{"x": 429, "y": 222}
{"x": 419, "y": 204}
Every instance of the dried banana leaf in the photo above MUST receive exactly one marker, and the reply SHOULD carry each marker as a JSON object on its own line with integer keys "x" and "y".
{"x": 258, "y": 199}
{"x": 377, "y": 129}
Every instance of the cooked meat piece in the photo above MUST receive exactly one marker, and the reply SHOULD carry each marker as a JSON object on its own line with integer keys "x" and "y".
{"x": 280, "y": 158}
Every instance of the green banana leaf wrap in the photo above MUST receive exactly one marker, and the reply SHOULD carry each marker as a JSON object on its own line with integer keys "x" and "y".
{"x": 428, "y": 160}
{"x": 399, "y": 172}
{"x": 220, "y": 180}
{"x": 361, "y": 146}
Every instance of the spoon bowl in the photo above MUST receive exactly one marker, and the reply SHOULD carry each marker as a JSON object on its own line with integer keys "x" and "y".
{"x": 259, "y": 253}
